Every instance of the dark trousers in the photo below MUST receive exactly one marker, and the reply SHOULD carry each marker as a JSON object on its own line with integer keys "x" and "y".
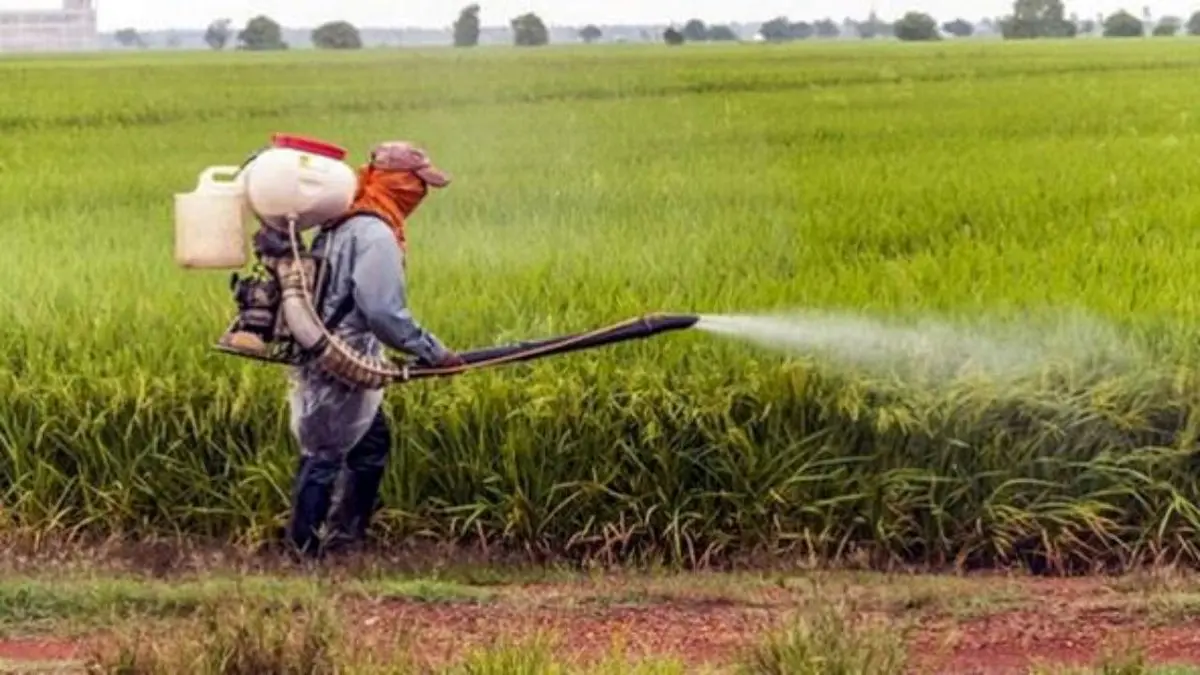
{"x": 316, "y": 479}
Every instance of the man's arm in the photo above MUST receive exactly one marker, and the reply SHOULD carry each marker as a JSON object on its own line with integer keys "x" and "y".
{"x": 379, "y": 292}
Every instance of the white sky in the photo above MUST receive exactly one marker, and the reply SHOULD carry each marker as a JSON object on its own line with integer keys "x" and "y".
{"x": 161, "y": 14}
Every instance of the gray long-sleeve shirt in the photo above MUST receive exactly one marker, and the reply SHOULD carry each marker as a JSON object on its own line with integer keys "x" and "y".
{"x": 364, "y": 262}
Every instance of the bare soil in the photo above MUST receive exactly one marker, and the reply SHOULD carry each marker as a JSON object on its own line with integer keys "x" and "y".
{"x": 987, "y": 625}
{"x": 38, "y": 649}
{"x": 1059, "y": 623}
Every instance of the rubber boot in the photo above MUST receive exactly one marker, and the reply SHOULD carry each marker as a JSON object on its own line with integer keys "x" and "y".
{"x": 365, "y": 464}
{"x": 312, "y": 493}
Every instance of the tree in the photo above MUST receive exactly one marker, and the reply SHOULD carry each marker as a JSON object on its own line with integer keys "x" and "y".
{"x": 721, "y": 34}
{"x": 466, "y": 28}
{"x": 1033, "y": 19}
{"x": 874, "y": 27}
{"x": 1168, "y": 26}
{"x": 1193, "y": 24}
{"x": 917, "y": 27}
{"x": 591, "y": 33}
{"x": 780, "y": 29}
{"x": 826, "y": 28}
{"x": 529, "y": 31}
{"x": 217, "y": 34}
{"x": 129, "y": 37}
{"x": 959, "y": 28}
{"x": 1123, "y": 24}
{"x": 261, "y": 33}
{"x": 695, "y": 31}
{"x": 673, "y": 37}
{"x": 336, "y": 35}
{"x": 803, "y": 30}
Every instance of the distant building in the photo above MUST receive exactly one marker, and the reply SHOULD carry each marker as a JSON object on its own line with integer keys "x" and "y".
{"x": 72, "y": 28}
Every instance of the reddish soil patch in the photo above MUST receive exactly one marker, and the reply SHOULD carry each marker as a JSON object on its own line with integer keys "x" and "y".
{"x": 38, "y": 650}
{"x": 1059, "y": 622}
{"x": 1013, "y": 642}
{"x": 1075, "y": 622}
{"x": 694, "y": 634}
{"x": 1009, "y": 642}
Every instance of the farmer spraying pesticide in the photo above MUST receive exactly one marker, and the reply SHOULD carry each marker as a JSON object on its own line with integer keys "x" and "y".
{"x": 363, "y": 301}
{"x": 330, "y": 310}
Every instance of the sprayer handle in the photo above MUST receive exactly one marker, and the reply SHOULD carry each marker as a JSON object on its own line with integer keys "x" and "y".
{"x": 207, "y": 176}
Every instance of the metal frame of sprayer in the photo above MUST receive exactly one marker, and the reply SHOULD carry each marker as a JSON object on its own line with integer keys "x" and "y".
{"x": 277, "y": 322}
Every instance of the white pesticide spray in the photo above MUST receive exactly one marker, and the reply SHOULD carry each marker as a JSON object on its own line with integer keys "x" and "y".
{"x": 934, "y": 350}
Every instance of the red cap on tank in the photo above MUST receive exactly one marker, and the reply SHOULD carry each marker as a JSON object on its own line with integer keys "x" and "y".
{"x": 306, "y": 144}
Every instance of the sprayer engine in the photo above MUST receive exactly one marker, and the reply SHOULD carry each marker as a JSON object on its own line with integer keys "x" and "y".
{"x": 259, "y": 329}
{"x": 257, "y": 301}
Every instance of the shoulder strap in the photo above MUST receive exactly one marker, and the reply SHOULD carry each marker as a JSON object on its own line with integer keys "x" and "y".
{"x": 347, "y": 304}
{"x": 341, "y": 220}
{"x": 339, "y": 315}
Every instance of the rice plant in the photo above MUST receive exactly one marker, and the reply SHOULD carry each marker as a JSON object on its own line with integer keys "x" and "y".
{"x": 959, "y": 182}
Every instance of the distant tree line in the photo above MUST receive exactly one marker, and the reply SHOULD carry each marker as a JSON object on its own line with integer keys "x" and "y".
{"x": 1030, "y": 19}
{"x": 263, "y": 33}
{"x": 260, "y": 33}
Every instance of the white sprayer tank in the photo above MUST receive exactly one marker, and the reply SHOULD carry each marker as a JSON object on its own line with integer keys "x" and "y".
{"x": 299, "y": 179}
{"x": 296, "y": 178}
{"x": 210, "y": 222}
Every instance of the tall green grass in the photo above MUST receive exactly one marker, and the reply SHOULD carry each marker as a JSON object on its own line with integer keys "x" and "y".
{"x": 955, "y": 181}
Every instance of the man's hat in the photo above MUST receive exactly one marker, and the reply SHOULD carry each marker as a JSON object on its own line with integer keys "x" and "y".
{"x": 404, "y": 156}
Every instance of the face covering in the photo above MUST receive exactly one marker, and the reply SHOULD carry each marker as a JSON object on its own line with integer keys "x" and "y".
{"x": 392, "y": 195}
{"x": 394, "y": 183}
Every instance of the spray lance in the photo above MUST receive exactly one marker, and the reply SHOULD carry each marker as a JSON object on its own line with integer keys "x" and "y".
{"x": 292, "y": 186}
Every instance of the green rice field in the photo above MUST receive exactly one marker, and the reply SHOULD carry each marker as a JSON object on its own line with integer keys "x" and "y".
{"x": 973, "y": 182}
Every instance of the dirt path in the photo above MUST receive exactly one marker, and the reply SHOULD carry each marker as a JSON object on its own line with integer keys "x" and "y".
{"x": 1015, "y": 642}
{"x": 693, "y": 633}
{"x": 39, "y": 656}
{"x": 38, "y": 649}
{"x": 1074, "y": 624}
{"x": 960, "y": 626}
{"x": 1065, "y": 623}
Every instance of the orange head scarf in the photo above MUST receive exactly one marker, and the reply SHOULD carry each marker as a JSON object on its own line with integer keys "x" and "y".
{"x": 394, "y": 183}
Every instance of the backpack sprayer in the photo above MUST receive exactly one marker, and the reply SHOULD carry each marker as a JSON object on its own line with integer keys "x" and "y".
{"x": 294, "y": 185}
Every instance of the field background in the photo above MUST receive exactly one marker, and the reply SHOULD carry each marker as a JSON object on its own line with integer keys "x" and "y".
{"x": 949, "y": 180}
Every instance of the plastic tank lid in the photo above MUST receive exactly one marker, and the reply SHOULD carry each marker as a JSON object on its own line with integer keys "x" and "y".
{"x": 306, "y": 144}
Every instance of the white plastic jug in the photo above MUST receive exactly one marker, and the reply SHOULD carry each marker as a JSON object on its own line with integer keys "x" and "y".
{"x": 211, "y": 222}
